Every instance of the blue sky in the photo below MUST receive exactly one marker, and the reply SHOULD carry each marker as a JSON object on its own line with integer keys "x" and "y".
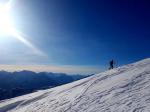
{"x": 78, "y": 33}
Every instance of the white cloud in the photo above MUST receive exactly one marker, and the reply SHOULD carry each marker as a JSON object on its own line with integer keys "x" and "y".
{"x": 70, "y": 69}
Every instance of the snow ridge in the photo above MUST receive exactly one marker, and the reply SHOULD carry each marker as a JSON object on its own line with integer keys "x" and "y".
{"x": 124, "y": 89}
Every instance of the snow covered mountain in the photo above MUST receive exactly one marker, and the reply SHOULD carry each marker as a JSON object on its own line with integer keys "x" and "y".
{"x": 124, "y": 89}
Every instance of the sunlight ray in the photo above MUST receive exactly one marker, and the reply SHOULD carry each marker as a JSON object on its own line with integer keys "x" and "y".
{"x": 7, "y": 28}
{"x": 21, "y": 38}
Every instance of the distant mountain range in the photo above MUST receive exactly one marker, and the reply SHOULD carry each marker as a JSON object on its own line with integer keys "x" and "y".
{"x": 14, "y": 84}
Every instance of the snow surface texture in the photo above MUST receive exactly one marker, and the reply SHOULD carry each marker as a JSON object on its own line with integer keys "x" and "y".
{"x": 124, "y": 89}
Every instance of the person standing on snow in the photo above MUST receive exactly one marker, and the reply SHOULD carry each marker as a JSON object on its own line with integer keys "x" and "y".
{"x": 111, "y": 64}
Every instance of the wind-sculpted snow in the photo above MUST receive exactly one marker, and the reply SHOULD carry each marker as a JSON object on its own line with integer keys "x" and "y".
{"x": 124, "y": 89}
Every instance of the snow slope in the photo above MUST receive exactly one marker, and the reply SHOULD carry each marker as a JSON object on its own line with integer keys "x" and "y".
{"x": 124, "y": 89}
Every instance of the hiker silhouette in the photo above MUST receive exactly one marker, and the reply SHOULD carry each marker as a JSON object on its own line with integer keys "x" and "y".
{"x": 111, "y": 64}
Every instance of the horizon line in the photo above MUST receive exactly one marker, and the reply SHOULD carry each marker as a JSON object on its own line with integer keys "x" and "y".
{"x": 69, "y": 69}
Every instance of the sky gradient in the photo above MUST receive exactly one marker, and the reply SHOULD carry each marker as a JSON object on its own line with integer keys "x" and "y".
{"x": 78, "y": 34}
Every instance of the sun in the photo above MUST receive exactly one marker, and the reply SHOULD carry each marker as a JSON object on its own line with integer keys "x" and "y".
{"x": 5, "y": 21}
{"x": 7, "y": 28}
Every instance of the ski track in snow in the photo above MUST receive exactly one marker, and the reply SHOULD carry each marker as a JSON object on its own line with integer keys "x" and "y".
{"x": 124, "y": 89}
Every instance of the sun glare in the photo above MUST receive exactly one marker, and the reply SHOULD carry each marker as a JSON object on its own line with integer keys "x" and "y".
{"x": 7, "y": 28}
{"x": 5, "y": 22}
